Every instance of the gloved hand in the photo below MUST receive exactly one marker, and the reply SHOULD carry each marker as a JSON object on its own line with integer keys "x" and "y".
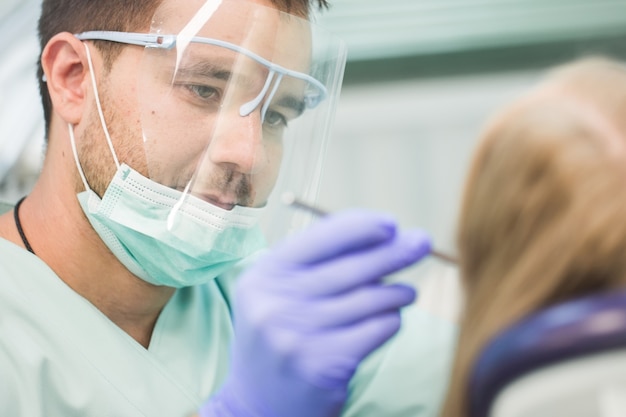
{"x": 308, "y": 312}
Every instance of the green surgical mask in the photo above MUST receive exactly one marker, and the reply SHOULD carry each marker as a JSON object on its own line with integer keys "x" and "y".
{"x": 134, "y": 219}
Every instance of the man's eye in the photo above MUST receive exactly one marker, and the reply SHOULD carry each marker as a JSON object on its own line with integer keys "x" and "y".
{"x": 275, "y": 119}
{"x": 204, "y": 91}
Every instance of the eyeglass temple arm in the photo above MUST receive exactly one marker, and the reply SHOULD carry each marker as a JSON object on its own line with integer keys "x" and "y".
{"x": 150, "y": 40}
{"x": 131, "y": 38}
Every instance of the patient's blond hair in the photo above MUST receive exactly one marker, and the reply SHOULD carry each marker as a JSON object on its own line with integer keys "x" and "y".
{"x": 543, "y": 217}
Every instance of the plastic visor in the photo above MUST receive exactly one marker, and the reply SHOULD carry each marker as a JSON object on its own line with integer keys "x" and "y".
{"x": 236, "y": 104}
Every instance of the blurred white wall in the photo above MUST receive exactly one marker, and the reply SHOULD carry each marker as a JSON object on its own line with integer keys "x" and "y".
{"x": 404, "y": 146}
{"x": 21, "y": 116}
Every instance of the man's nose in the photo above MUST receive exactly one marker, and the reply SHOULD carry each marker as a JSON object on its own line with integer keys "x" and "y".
{"x": 238, "y": 141}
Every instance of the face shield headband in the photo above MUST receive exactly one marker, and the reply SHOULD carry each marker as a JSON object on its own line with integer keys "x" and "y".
{"x": 275, "y": 75}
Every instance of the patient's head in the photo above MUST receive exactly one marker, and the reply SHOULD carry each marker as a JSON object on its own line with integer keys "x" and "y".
{"x": 543, "y": 217}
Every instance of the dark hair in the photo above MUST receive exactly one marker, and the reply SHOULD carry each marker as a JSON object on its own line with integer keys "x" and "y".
{"x": 77, "y": 16}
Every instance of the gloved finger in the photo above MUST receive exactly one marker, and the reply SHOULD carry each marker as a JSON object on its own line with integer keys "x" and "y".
{"x": 350, "y": 271}
{"x": 331, "y": 358}
{"x": 344, "y": 232}
{"x": 350, "y": 307}
{"x": 361, "y": 338}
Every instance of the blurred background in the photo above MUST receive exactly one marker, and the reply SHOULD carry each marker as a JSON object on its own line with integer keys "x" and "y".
{"x": 21, "y": 116}
{"x": 422, "y": 78}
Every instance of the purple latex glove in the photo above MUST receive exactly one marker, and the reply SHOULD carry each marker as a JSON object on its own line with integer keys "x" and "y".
{"x": 307, "y": 313}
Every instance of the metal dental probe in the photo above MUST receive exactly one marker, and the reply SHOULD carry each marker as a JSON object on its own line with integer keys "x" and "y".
{"x": 291, "y": 200}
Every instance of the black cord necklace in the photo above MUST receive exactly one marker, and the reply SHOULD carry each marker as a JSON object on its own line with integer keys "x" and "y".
{"x": 18, "y": 224}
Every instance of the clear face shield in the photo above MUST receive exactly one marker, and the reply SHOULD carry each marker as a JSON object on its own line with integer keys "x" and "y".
{"x": 236, "y": 103}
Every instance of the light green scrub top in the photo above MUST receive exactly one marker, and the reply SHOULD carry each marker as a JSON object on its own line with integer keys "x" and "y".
{"x": 60, "y": 356}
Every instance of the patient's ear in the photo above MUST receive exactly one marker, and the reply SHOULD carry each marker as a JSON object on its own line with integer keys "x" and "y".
{"x": 65, "y": 66}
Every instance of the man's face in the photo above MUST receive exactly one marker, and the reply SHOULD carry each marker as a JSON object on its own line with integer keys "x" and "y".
{"x": 179, "y": 116}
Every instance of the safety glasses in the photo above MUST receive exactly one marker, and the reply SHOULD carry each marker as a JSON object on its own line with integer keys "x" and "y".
{"x": 276, "y": 72}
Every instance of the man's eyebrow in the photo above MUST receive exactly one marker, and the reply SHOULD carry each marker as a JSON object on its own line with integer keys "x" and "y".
{"x": 223, "y": 72}
{"x": 220, "y": 71}
{"x": 207, "y": 69}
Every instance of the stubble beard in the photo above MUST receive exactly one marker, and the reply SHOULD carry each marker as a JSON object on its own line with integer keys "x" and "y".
{"x": 94, "y": 154}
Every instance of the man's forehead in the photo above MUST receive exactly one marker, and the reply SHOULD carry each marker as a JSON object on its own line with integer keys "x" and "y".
{"x": 254, "y": 25}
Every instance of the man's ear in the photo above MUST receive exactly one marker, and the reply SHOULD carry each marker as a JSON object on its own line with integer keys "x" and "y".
{"x": 65, "y": 66}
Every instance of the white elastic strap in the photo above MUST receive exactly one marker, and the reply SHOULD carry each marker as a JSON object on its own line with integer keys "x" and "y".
{"x": 269, "y": 98}
{"x": 102, "y": 121}
{"x": 250, "y": 106}
{"x": 80, "y": 169}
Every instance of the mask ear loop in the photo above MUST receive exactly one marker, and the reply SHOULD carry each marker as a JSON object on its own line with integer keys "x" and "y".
{"x": 100, "y": 113}
{"x": 80, "y": 168}
{"x": 102, "y": 122}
